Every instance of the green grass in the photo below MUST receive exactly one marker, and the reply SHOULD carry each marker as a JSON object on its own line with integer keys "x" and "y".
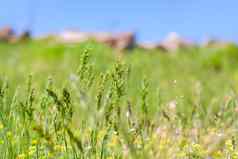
{"x": 89, "y": 101}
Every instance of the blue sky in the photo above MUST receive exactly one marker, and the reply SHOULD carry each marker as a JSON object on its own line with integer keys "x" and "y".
{"x": 150, "y": 19}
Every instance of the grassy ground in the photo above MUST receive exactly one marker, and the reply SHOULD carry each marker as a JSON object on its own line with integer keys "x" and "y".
{"x": 88, "y": 101}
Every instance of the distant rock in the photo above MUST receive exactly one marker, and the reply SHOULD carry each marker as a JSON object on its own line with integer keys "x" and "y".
{"x": 104, "y": 38}
{"x": 151, "y": 46}
{"x": 24, "y": 36}
{"x": 215, "y": 43}
{"x": 120, "y": 41}
{"x": 171, "y": 43}
{"x": 174, "y": 42}
{"x": 125, "y": 40}
{"x": 73, "y": 37}
{"x": 7, "y": 34}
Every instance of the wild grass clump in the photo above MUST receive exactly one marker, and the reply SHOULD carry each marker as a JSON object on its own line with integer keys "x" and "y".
{"x": 117, "y": 112}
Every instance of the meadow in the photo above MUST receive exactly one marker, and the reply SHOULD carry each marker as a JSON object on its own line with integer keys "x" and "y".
{"x": 84, "y": 101}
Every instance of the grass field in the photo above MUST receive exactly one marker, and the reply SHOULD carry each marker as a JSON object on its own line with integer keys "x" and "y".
{"x": 88, "y": 101}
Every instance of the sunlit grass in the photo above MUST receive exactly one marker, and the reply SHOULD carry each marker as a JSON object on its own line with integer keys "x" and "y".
{"x": 86, "y": 101}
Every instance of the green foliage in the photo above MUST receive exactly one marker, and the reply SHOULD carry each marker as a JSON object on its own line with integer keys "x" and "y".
{"x": 91, "y": 103}
{"x": 219, "y": 58}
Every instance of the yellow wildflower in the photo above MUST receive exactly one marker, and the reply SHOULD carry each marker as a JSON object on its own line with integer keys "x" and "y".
{"x": 198, "y": 149}
{"x": 101, "y": 134}
{"x": 217, "y": 154}
{"x": 1, "y": 126}
{"x": 32, "y": 150}
{"x": 50, "y": 155}
{"x": 34, "y": 142}
{"x": 30, "y": 153}
{"x": 229, "y": 145}
{"x": 59, "y": 148}
{"x": 234, "y": 155}
{"x": 9, "y": 134}
{"x": 21, "y": 156}
{"x": 114, "y": 141}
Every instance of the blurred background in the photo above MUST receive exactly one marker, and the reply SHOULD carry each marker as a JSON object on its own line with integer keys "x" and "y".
{"x": 151, "y": 20}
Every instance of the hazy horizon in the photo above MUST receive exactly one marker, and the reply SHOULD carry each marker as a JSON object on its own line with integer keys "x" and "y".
{"x": 151, "y": 20}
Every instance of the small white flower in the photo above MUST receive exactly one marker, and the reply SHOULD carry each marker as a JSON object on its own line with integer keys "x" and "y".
{"x": 175, "y": 81}
{"x": 73, "y": 77}
{"x": 127, "y": 114}
{"x": 172, "y": 105}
